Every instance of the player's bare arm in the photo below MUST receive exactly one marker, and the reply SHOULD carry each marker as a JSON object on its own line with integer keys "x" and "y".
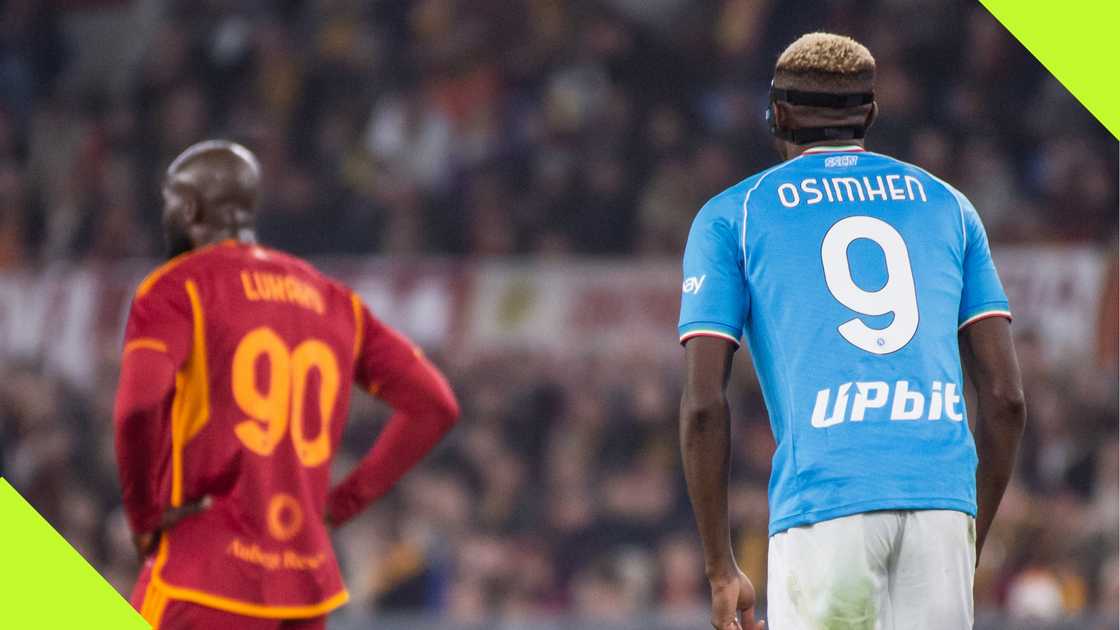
{"x": 705, "y": 433}
{"x": 989, "y": 358}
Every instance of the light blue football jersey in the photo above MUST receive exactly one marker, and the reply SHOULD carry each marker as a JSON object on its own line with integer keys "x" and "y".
{"x": 849, "y": 273}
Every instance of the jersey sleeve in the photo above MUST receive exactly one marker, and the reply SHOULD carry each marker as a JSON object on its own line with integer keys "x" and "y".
{"x": 160, "y": 319}
{"x": 714, "y": 296}
{"x": 982, "y": 295}
{"x": 381, "y": 353}
{"x": 157, "y": 341}
{"x": 391, "y": 368}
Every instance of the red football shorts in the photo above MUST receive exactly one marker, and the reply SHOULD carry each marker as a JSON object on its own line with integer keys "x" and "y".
{"x": 170, "y": 614}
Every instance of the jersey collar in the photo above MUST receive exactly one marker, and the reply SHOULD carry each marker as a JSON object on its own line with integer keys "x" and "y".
{"x": 852, "y": 148}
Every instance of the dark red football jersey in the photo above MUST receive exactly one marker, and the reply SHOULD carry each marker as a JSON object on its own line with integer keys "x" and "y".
{"x": 266, "y": 350}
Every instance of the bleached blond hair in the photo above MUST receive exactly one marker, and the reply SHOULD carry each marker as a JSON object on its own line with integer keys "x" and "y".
{"x": 825, "y": 62}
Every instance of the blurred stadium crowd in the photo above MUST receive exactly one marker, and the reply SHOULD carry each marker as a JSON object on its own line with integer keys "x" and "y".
{"x": 492, "y": 127}
{"x": 541, "y": 129}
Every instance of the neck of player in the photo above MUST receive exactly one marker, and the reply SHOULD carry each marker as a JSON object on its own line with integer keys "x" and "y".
{"x": 240, "y": 234}
{"x": 790, "y": 150}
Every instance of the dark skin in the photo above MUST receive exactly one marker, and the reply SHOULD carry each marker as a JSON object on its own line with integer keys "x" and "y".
{"x": 146, "y": 542}
{"x": 705, "y": 428}
{"x": 987, "y": 352}
{"x": 210, "y": 195}
{"x": 788, "y": 116}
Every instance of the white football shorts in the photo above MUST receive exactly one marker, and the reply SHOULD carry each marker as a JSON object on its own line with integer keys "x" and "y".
{"x": 891, "y": 570}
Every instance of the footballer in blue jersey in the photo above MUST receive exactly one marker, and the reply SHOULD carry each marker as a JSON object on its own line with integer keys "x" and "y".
{"x": 858, "y": 282}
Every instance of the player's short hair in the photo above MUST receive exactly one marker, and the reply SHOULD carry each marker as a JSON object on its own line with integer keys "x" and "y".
{"x": 825, "y": 62}
{"x": 222, "y": 173}
{"x": 235, "y": 151}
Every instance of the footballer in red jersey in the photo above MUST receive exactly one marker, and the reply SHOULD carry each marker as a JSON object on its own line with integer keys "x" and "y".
{"x": 235, "y": 384}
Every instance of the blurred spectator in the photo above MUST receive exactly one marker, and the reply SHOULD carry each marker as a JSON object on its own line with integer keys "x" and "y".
{"x": 488, "y": 129}
{"x": 537, "y": 128}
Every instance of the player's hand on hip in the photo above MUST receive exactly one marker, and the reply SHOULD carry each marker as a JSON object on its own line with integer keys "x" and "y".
{"x": 172, "y": 516}
{"x": 733, "y": 600}
{"x": 145, "y": 544}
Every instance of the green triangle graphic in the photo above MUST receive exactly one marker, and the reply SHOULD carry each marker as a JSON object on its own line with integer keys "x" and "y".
{"x": 45, "y": 584}
{"x": 1076, "y": 42}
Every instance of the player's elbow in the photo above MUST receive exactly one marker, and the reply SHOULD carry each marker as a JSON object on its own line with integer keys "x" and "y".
{"x": 698, "y": 411}
{"x": 1009, "y": 406}
{"x": 445, "y": 409}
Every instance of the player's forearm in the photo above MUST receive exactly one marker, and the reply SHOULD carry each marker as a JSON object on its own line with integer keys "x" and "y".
{"x": 998, "y": 430}
{"x": 147, "y": 378}
{"x": 705, "y": 450}
{"x": 138, "y": 489}
{"x": 407, "y": 438}
{"x": 988, "y": 353}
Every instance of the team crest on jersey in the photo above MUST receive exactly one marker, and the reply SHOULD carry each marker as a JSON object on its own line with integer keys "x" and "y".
{"x": 837, "y": 161}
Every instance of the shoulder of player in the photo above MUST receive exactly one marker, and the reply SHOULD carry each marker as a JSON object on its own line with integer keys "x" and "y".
{"x": 728, "y": 204}
{"x": 731, "y": 204}
{"x": 291, "y": 261}
{"x": 922, "y": 173}
{"x": 168, "y": 272}
{"x": 310, "y": 272}
{"x": 957, "y": 200}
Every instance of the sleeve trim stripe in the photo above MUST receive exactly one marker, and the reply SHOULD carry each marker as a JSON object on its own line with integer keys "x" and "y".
{"x": 359, "y": 323}
{"x": 193, "y": 394}
{"x": 985, "y": 315}
{"x": 145, "y": 342}
{"x": 708, "y": 333}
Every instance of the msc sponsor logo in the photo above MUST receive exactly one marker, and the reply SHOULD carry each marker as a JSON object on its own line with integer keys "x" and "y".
{"x": 692, "y": 285}
{"x": 837, "y": 161}
{"x": 851, "y": 401}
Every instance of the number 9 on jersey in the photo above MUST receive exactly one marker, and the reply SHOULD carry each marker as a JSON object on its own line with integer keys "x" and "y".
{"x": 897, "y": 296}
